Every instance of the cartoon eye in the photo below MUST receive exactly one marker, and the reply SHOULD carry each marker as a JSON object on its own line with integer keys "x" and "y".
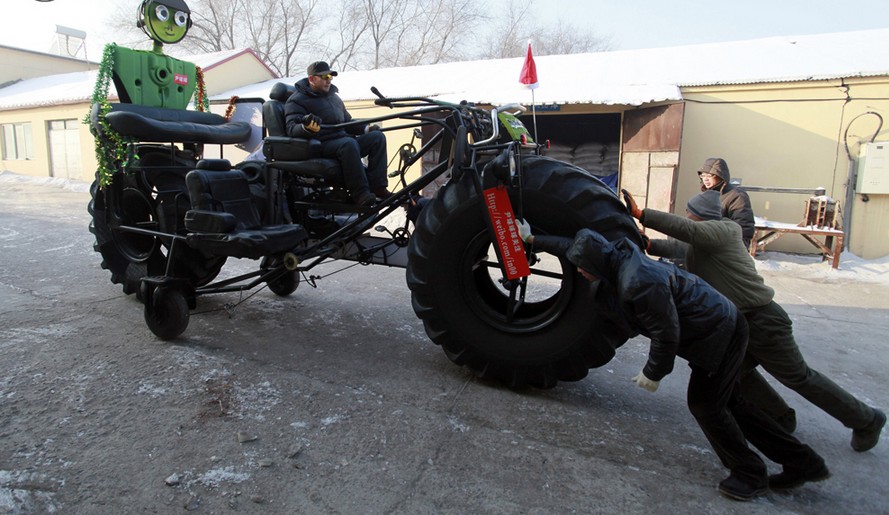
{"x": 180, "y": 18}
{"x": 163, "y": 14}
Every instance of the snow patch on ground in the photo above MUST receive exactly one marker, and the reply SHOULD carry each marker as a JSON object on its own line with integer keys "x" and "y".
{"x": 65, "y": 184}
{"x": 852, "y": 268}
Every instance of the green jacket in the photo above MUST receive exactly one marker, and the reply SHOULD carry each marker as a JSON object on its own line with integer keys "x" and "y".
{"x": 714, "y": 252}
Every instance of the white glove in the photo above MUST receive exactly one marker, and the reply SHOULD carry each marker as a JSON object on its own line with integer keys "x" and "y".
{"x": 645, "y": 382}
{"x": 524, "y": 230}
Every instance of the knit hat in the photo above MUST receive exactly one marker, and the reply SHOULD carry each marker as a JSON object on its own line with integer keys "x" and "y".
{"x": 706, "y": 205}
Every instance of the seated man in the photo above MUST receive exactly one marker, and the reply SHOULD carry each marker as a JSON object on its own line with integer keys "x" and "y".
{"x": 315, "y": 102}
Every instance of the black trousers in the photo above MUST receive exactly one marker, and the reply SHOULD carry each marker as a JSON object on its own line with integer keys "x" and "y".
{"x": 729, "y": 422}
{"x": 349, "y": 151}
{"x": 772, "y": 345}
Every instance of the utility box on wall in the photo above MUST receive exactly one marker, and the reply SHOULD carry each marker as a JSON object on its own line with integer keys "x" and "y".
{"x": 873, "y": 168}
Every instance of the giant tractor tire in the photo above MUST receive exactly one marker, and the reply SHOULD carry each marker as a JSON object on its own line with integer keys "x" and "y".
{"x": 556, "y": 334}
{"x": 129, "y": 257}
{"x": 156, "y": 202}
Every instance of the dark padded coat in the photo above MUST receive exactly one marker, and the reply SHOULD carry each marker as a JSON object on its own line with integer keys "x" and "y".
{"x": 681, "y": 314}
{"x": 713, "y": 253}
{"x": 328, "y": 106}
{"x": 735, "y": 201}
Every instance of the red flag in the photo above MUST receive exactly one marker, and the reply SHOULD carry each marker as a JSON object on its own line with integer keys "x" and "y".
{"x": 528, "y": 77}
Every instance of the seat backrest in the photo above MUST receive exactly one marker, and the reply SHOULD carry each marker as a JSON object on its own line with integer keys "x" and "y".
{"x": 214, "y": 190}
{"x": 273, "y": 110}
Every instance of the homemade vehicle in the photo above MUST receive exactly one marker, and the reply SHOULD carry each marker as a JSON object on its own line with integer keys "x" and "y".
{"x": 166, "y": 221}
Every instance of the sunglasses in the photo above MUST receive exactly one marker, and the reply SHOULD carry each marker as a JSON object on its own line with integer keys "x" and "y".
{"x": 326, "y": 76}
{"x": 707, "y": 175}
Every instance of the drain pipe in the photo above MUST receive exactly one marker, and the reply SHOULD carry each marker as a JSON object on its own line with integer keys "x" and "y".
{"x": 852, "y": 176}
{"x": 851, "y": 179}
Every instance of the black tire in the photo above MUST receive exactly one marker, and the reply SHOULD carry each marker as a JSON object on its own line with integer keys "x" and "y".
{"x": 285, "y": 284}
{"x": 129, "y": 257}
{"x": 452, "y": 273}
{"x": 167, "y": 313}
{"x": 133, "y": 200}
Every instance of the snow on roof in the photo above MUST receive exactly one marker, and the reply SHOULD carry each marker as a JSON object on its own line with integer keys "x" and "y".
{"x": 78, "y": 87}
{"x": 64, "y": 88}
{"x": 212, "y": 60}
{"x": 206, "y": 61}
{"x": 624, "y": 77}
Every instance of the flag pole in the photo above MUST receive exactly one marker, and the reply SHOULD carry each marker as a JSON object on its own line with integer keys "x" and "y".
{"x": 528, "y": 77}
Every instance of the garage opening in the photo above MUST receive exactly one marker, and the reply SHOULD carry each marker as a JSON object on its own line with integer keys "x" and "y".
{"x": 588, "y": 141}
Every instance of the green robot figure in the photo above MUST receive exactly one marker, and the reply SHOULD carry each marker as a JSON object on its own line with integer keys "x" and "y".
{"x": 151, "y": 78}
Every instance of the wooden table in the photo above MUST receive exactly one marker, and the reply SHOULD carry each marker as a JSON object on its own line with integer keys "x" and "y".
{"x": 768, "y": 231}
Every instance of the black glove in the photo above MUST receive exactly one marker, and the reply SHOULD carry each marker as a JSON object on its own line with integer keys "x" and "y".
{"x": 312, "y": 122}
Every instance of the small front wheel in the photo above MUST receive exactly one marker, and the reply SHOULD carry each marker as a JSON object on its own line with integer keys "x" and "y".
{"x": 285, "y": 284}
{"x": 166, "y": 313}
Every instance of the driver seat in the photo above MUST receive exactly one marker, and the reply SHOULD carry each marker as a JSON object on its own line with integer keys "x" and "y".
{"x": 294, "y": 155}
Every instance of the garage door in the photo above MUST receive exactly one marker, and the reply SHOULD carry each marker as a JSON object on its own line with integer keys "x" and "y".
{"x": 64, "y": 149}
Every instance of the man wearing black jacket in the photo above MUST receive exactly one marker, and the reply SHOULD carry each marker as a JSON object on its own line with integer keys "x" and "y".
{"x": 684, "y": 316}
{"x": 714, "y": 175}
{"x": 712, "y": 249}
{"x": 314, "y": 102}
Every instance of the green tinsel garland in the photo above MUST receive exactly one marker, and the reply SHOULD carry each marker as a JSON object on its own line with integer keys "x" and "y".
{"x": 112, "y": 149}
{"x": 201, "y": 102}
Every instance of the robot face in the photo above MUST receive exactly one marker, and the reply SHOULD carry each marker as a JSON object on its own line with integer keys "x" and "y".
{"x": 167, "y": 21}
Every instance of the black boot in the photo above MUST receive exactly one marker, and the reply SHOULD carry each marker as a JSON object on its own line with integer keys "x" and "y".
{"x": 738, "y": 489}
{"x": 866, "y": 438}
{"x": 364, "y": 198}
{"x": 794, "y": 477}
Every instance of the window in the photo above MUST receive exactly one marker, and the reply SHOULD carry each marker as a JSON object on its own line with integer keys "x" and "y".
{"x": 18, "y": 143}
{"x": 63, "y": 124}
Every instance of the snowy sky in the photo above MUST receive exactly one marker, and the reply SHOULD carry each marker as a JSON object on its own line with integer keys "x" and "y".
{"x": 630, "y": 24}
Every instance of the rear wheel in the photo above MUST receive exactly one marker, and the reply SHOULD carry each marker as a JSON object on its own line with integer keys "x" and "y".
{"x": 153, "y": 197}
{"x": 456, "y": 287}
{"x": 128, "y": 256}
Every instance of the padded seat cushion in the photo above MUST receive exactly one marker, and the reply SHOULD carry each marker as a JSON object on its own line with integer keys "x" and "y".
{"x": 212, "y": 190}
{"x": 174, "y": 125}
{"x": 224, "y": 221}
{"x": 251, "y": 244}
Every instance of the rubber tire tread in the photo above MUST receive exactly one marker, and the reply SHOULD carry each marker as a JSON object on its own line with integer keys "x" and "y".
{"x": 170, "y": 315}
{"x": 125, "y": 272}
{"x": 558, "y": 199}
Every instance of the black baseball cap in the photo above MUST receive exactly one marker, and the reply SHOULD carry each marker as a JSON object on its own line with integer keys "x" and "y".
{"x": 320, "y": 68}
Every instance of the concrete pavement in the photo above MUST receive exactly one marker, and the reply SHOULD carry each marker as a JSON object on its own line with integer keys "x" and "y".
{"x": 343, "y": 405}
